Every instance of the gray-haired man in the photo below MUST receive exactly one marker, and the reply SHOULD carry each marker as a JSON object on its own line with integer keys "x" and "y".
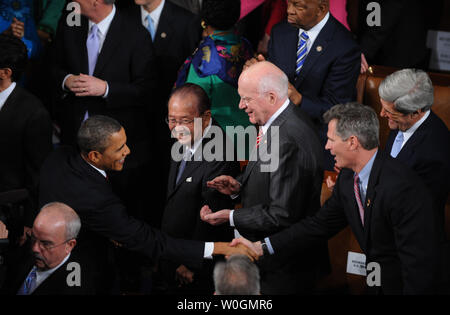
{"x": 386, "y": 205}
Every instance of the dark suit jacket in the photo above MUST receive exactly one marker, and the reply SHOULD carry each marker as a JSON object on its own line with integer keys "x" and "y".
{"x": 184, "y": 200}
{"x": 396, "y": 42}
{"x": 329, "y": 74}
{"x": 26, "y": 136}
{"x": 126, "y": 63}
{"x": 56, "y": 283}
{"x": 427, "y": 152}
{"x": 273, "y": 201}
{"x": 399, "y": 230}
{"x": 67, "y": 178}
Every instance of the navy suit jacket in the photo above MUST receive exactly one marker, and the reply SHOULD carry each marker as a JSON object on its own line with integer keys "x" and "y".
{"x": 329, "y": 74}
{"x": 427, "y": 152}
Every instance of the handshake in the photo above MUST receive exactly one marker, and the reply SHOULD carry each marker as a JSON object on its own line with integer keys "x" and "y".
{"x": 239, "y": 246}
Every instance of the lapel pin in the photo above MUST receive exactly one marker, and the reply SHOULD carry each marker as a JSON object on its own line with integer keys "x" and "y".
{"x": 368, "y": 203}
{"x": 319, "y": 48}
{"x": 163, "y": 35}
{"x": 189, "y": 179}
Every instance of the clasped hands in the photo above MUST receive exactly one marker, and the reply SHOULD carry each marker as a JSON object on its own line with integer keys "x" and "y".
{"x": 86, "y": 85}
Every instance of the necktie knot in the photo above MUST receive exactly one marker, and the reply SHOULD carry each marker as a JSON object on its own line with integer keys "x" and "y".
{"x": 397, "y": 146}
{"x": 304, "y": 36}
{"x": 94, "y": 30}
{"x": 260, "y": 136}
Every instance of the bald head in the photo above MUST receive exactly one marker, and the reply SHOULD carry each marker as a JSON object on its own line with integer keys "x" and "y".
{"x": 59, "y": 217}
{"x": 263, "y": 88}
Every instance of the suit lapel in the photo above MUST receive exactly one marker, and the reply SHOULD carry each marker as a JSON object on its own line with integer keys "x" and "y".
{"x": 314, "y": 53}
{"x": 8, "y": 106}
{"x": 112, "y": 40}
{"x": 371, "y": 193}
{"x": 165, "y": 30}
{"x": 416, "y": 139}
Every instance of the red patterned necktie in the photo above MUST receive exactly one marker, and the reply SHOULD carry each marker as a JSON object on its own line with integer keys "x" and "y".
{"x": 259, "y": 137}
{"x": 358, "y": 198}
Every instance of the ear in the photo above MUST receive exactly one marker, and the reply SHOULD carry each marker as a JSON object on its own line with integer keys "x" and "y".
{"x": 94, "y": 156}
{"x": 353, "y": 143}
{"x": 5, "y": 73}
{"x": 273, "y": 98}
{"x": 70, "y": 245}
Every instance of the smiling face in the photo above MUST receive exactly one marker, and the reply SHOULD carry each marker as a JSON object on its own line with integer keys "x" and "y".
{"x": 257, "y": 107}
{"x": 305, "y": 14}
{"x": 397, "y": 120}
{"x": 113, "y": 158}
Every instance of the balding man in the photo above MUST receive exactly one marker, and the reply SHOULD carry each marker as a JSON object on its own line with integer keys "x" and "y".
{"x": 282, "y": 181}
{"x": 50, "y": 268}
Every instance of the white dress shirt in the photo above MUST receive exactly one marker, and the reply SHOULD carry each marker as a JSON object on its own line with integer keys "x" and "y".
{"x": 314, "y": 32}
{"x": 6, "y": 93}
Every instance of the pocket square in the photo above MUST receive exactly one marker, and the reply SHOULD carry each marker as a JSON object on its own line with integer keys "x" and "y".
{"x": 189, "y": 179}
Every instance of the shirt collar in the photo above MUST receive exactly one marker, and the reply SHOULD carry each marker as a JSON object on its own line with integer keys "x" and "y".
{"x": 364, "y": 174}
{"x": 274, "y": 116}
{"x": 99, "y": 170}
{"x": 198, "y": 141}
{"x": 314, "y": 31}
{"x": 408, "y": 133}
{"x": 104, "y": 25}
{"x": 5, "y": 94}
{"x": 155, "y": 15}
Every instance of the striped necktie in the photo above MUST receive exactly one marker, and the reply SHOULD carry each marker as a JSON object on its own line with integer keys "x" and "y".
{"x": 259, "y": 137}
{"x": 358, "y": 198}
{"x": 29, "y": 284}
{"x": 302, "y": 51}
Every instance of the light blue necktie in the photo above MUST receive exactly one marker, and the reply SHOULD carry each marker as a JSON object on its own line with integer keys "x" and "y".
{"x": 151, "y": 27}
{"x": 29, "y": 283}
{"x": 302, "y": 51}
{"x": 397, "y": 146}
{"x": 93, "y": 47}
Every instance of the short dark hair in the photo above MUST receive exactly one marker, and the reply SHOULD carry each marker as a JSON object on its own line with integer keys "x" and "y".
{"x": 221, "y": 14}
{"x": 13, "y": 55}
{"x": 203, "y": 101}
{"x": 95, "y": 132}
{"x": 357, "y": 120}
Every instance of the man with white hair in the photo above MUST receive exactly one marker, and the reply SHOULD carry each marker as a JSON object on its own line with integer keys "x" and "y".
{"x": 419, "y": 139}
{"x": 52, "y": 269}
{"x": 275, "y": 197}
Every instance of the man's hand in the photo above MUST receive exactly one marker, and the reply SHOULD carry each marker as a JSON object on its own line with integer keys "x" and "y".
{"x": 364, "y": 64}
{"x": 252, "y": 61}
{"x": 184, "y": 275}
{"x": 86, "y": 85}
{"x": 224, "y": 184}
{"x": 263, "y": 43}
{"x": 255, "y": 247}
{"x": 221, "y": 248}
{"x": 3, "y": 231}
{"x": 214, "y": 218}
{"x": 294, "y": 96}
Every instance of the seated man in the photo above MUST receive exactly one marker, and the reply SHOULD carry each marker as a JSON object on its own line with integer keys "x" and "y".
{"x": 25, "y": 128}
{"x": 385, "y": 203}
{"x": 187, "y": 188}
{"x": 79, "y": 179}
{"x": 50, "y": 268}
{"x": 237, "y": 276}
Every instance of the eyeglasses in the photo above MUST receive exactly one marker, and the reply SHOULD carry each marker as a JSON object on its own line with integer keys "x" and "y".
{"x": 172, "y": 121}
{"x": 44, "y": 245}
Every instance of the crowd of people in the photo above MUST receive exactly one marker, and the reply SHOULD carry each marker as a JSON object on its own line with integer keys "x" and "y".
{"x": 178, "y": 147}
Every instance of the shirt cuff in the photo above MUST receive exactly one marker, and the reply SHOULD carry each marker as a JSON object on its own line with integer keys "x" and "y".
{"x": 231, "y": 218}
{"x": 269, "y": 246}
{"x": 107, "y": 90}
{"x": 64, "y": 82}
{"x": 209, "y": 249}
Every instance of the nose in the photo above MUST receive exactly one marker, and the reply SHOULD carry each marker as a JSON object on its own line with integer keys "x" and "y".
{"x": 242, "y": 104}
{"x": 383, "y": 112}
{"x": 327, "y": 145}
{"x": 127, "y": 150}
